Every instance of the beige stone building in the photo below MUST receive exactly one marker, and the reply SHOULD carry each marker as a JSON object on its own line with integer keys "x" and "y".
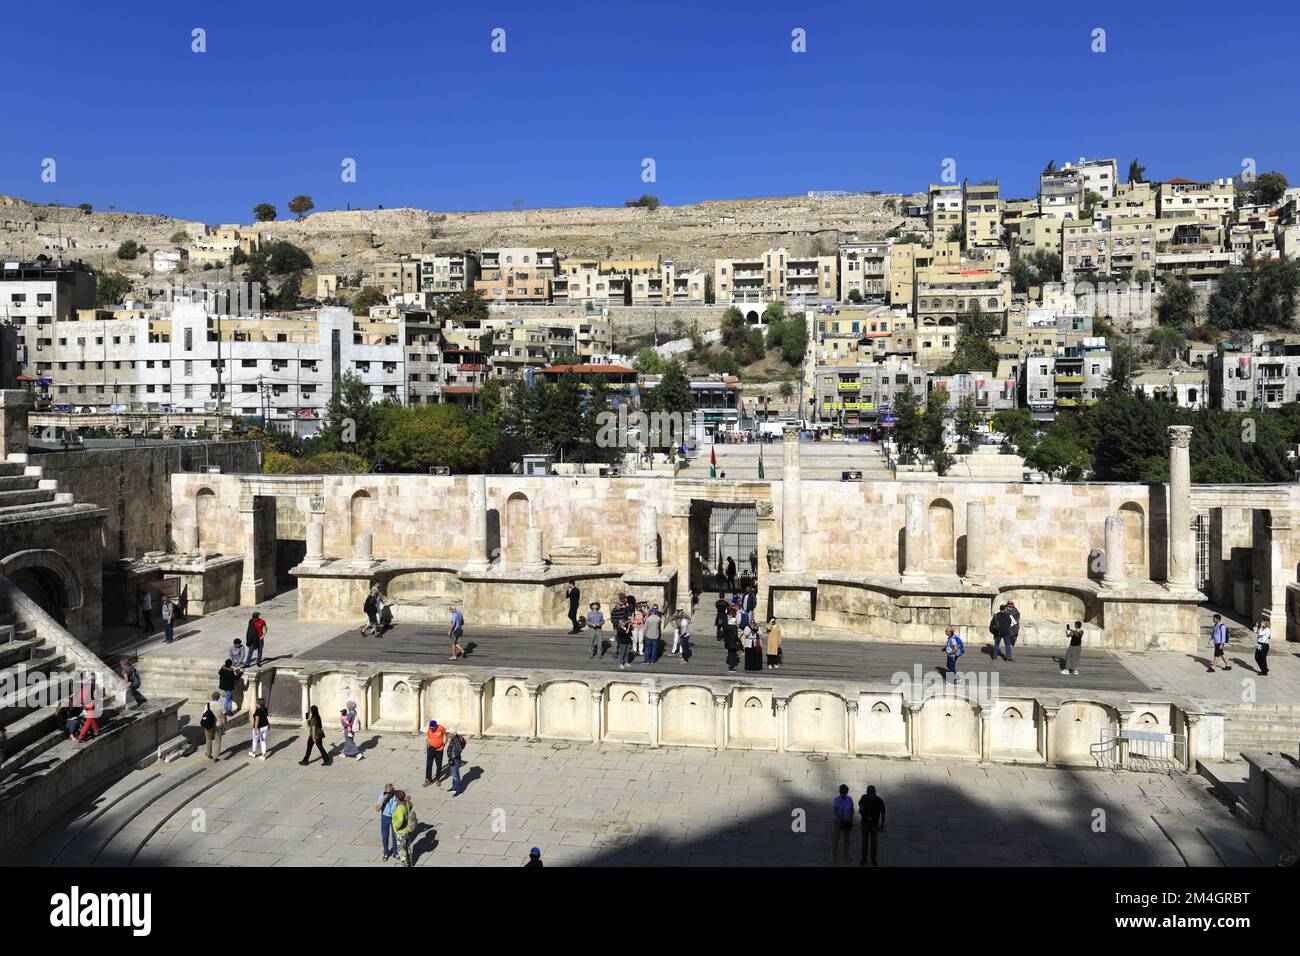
{"x": 1186, "y": 198}
{"x": 945, "y": 210}
{"x": 864, "y": 269}
{"x": 398, "y": 277}
{"x": 981, "y": 215}
{"x": 904, "y": 261}
{"x": 666, "y": 286}
{"x": 776, "y": 276}
{"x": 448, "y": 273}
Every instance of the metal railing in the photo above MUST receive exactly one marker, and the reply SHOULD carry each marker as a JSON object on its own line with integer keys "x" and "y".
{"x": 1142, "y": 751}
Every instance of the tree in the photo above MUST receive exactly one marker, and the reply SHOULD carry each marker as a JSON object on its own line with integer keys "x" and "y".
{"x": 855, "y": 296}
{"x": 735, "y": 330}
{"x": 129, "y": 249}
{"x": 1050, "y": 167}
{"x": 462, "y": 306}
{"x": 179, "y": 237}
{"x": 754, "y": 345}
{"x": 1037, "y": 267}
{"x": 301, "y": 205}
{"x": 907, "y": 427}
{"x": 794, "y": 341}
{"x": 1268, "y": 188}
{"x": 365, "y": 298}
{"x": 110, "y": 288}
{"x": 1176, "y": 304}
{"x": 974, "y": 349}
{"x": 648, "y": 202}
{"x": 969, "y": 420}
{"x": 1167, "y": 343}
{"x": 672, "y": 396}
{"x": 86, "y": 207}
{"x": 890, "y": 205}
{"x": 1059, "y": 454}
{"x": 786, "y": 389}
{"x": 955, "y": 233}
{"x": 931, "y": 439}
{"x": 418, "y": 438}
{"x": 1136, "y": 172}
{"x": 1090, "y": 200}
{"x": 264, "y": 212}
{"x": 1017, "y": 424}
{"x": 649, "y": 362}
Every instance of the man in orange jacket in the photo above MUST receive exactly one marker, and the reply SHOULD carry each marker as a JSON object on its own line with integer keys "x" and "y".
{"x": 435, "y": 741}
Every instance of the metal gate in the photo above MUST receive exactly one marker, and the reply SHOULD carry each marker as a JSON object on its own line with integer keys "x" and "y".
{"x": 1202, "y": 530}
{"x": 1148, "y": 751}
{"x": 733, "y": 533}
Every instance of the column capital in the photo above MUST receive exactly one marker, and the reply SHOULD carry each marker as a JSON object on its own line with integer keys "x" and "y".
{"x": 852, "y": 706}
{"x": 1180, "y": 436}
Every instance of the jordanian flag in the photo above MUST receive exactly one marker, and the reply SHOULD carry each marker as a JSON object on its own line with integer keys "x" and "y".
{"x": 713, "y": 463}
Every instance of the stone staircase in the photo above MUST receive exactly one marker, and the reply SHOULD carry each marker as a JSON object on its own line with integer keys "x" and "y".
{"x": 987, "y": 463}
{"x": 1270, "y": 727}
{"x": 23, "y": 489}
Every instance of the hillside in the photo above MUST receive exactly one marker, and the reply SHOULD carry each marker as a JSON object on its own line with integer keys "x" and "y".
{"x": 344, "y": 241}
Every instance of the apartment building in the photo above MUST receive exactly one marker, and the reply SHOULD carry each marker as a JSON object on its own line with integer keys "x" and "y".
{"x": 1040, "y": 233}
{"x": 856, "y": 395}
{"x": 717, "y": 403}
{"x": 1130, "y": 201}
{"x": 217, "y": 246}
{"x": 981, "y": 215}
{"x": 1266, "y": 375}
{"x": 518, "y": 275}
{"x": 1185, "y": 198}
{"x": 776, "y": 276}
{"x": 495, "y": 263}
{"x": 518, "y": 344}
{"x": 1113, "y": 246}
{"x": 904, "y": 261}
{"x": 1186, "y": 388}
{"x": 399, "y": 277}
{"x": 991, "y": 393}
{"x": 1060, "y": 193}
{"x": 1068, "y": 377}
{"x": 1044, "y": 330}
{"x": 864, "y": 270}
{"x": 448, "y": 273}
{"x": 944, "y": 293}
{"x": 592, "y": 285}
{"x": 944, "y": 210}
{"x": 666, "y": 286}
{"x": 36, "y": 294}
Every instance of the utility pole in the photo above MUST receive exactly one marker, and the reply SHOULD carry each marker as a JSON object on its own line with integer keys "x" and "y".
{"x": 220, "y": 389}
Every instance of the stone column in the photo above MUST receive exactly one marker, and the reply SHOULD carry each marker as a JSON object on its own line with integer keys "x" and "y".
{"x": 914, "y": 537}
{"x": 364, "y": 552}
{"x": 315, "y": 544}
{"x": 1049, "y": 733}
{"x": 1192, "y": 721}
{"x": 14, "y": 406}
{"x": 653, "y": 701}
{"x": 1180, "y": 507}
{"x": 986, "y": 735}
{"x": 720, "y": 720}
{"x": 304, "y": 687}
{"x": 791, "y": 502}
{"x": 477, "y": 533}
{"x": 851, "y": 728}
{"x": 597, "y": 715}
{"x": 533, "y": 560}
{"x": 534, "y": 718}
{"x": 1114, "y": 551}
{"x": 189, "y": 540}
{"x": 782, "y": 724}
{"x": 913, "y": 728}
{"x": 480, "y": 707}
{"x": 976, "y": 541}
{"x": 363, "y": 699}
{"x": 648, "y": 537}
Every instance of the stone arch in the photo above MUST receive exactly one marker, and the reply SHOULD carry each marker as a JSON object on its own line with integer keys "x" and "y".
{"x": 1011, "y": 713}
{"x": 630, "y": 697}
{"x": 880, "y": 707}
{"x": 1148, "y": 719}
{"x": 1135, "y": 537}
{"x": 48, "y": 578}
{"x": 205, "y": 519}
{"x": 940, "y": 538}
{"x": 518, "y": 519}
{"x": 360, "y": 516}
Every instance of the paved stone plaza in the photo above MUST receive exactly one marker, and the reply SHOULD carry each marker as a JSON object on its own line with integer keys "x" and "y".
{"x": 623, "y": 806}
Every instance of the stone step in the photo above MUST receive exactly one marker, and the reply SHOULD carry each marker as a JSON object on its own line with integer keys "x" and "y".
{"x": 7, "y": 633}
{"x": 25, "y": 496}
{"x": 11, "y": 468}
{"x": 37, "y": 732}
{"x": 19, "y": 482}
{"x": 17, "y": 651}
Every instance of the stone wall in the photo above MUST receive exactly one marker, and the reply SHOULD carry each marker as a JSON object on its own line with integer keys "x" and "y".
{"x": 134, "y": 485}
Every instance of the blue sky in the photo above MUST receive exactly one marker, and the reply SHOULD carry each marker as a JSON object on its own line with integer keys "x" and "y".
{"x": 585, "y": 91}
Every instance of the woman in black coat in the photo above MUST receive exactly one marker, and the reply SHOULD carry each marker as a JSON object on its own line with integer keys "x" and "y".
{"x": 720, "y": 620}
{"x": 315, "y": 737}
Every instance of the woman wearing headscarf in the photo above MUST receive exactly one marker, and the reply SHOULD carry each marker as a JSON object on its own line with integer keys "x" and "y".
{"x": 404, "y": 826}
{"x": 348, "y": 718}
{"x": 773, "y": 644}
{"x": 753, "y": 647}
{"x": 315, "y": 737}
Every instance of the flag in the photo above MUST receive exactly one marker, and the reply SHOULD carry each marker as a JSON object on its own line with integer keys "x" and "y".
{"x": 713, "y": 462}
{"x": 760, "y": 462}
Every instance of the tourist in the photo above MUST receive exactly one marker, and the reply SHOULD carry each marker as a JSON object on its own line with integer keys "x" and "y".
{"x": 146, "y": 609}
{"x": 841, "y": 824}
{"x": 731, "y": 573}
{"x": 872, "y": 810}
{"x": 623, "y": 638}
{"x": 455, "y": 631}
{"x": 211, "y": 730}
{"x": 621, "y": 617}
{"x": 403, "y": 821}
{"x": 69, "y": 718}
{"x": 237, "y": 653}
{"x": 695, "y": 602}
{"x": 753, "y": 647}
{"x": 1000, "y": 628}
{"x": 1013, "y": 632}
{"x": 89, "y": 710}
{"x": 1219, "y": 638}
{"x": 261, "y": 721}
{"x": 348, "y": 719}
{"x": 385, "y": 615}
{"x": 683, "y": 636}
{"x": 1075, "y": 636}
{"x": 168, "y": 619}
{"x": 953, "y": 648}
{"x": 255, "y": 638}
{"x": 227, "y": 677}
{"x": 370, "y": 607}
{"x": 773, "y": 644}
{"x": 1263, "y": 633}
{"x": 720, "y": 620}
{"x": 638, "y": 628}
{"x": 315, "y": 737}
{"x": 731, "y": 641}
{"x": 676, "y": 624}
{"x": 652, "y": 630}
{"x": 534, "y": 859}
{"x": 596, "y": 624}
{"x": 574, "y": 595}
{"x": 455, "y": 747}
{"x": 385, "y": 806}
{"x": 435, "y": 740}
{"x": 753, "y": 560}
{"x": 132, "y": 678}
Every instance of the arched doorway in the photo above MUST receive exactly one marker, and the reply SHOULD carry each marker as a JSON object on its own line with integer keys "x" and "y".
{"x": 518, "y": 521}
{"x": 45, "y": 588}
{"x": 48, "y": 578}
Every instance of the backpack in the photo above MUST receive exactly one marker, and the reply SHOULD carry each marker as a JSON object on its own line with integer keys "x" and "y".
{"x": 369, "y": 606}
{"x": 959, "y": 647}
{"x": 209, "y": 720}
{"x": 460, "y": 742}
{"x": 134, "y": 678}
